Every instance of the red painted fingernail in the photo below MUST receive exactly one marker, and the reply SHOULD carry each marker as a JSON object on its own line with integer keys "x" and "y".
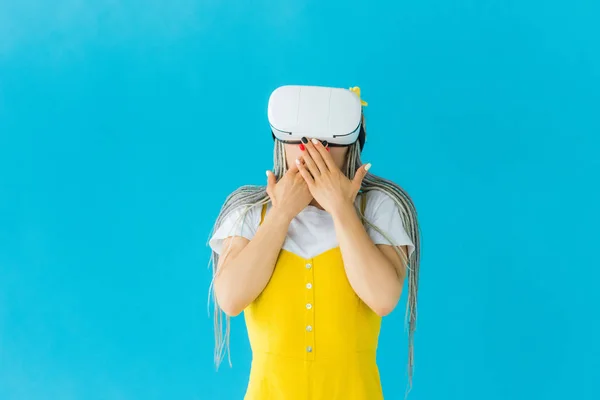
{"x": 302, "y": 147}
{"x": 327, "y": 148}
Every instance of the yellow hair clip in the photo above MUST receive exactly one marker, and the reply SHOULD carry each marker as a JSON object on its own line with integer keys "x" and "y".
{"x": 356, "y": 91}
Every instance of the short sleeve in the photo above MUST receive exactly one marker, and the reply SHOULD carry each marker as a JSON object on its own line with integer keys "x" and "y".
{"x": 236, "y": 224}
{"x": 382, "y": 211}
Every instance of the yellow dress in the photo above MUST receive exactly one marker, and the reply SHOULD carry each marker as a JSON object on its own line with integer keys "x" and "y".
{"x": 312, "y": 338}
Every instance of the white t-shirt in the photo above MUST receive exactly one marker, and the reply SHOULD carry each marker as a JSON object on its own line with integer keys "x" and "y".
{"x": 312, "y": 231}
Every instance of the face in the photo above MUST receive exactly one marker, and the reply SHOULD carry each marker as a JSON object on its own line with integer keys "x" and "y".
{"x": 292, "y": 152}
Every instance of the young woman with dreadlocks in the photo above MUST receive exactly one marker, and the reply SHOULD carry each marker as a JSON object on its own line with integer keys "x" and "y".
{"x": 316, "y": 257}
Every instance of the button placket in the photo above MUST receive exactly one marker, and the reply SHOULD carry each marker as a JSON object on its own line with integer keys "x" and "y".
{"x": 309, "y": 320}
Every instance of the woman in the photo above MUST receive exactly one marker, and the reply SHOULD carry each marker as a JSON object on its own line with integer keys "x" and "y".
{"x": 315, "y": 259}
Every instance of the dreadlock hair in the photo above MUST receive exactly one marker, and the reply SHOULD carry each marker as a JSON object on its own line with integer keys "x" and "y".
{"x": 247, "y": 197}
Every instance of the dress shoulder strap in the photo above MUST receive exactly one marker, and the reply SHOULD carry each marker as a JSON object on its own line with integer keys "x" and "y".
{"x": 263, "y": 213}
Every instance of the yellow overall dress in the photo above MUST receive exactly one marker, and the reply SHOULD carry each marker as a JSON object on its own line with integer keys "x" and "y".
{"x": 312, "y": 338}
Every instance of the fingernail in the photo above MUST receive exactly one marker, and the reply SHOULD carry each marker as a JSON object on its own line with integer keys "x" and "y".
{"x": 315, "y": 141}
{"x": 268, "y": 174}
{"x": 297, "y": 161}
{"x": 368, "y": 167}
{"x": 302, "y": 147}
{"x": 304, "y": 140}
{"x": 327, "y": 148}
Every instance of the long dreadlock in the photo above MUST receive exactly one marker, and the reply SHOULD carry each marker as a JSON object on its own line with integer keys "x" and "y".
{"x": 249, "y": 196}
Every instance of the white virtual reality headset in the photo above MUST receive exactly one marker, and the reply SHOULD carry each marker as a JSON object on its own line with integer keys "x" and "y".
{"x": 332, "y": 115}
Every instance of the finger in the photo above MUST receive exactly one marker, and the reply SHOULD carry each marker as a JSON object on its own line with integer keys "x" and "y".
{"x": 309, "y": 163}
{"x": 325, "y": 155}
{"x": 271, "y": 180}
{"x": 359, "y": 176}
{"x": 292, "y": 169}
{"x": 316, "y": 156}
{"x": 308, "y": 178}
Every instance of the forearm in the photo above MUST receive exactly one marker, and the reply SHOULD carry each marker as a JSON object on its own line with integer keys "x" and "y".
{"x": 243, "y": 276}
{"x": 370, "y": 273}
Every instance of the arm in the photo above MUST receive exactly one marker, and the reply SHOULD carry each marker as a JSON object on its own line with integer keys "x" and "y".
{"x": 375, "y": 272}
{"x": 246, "y": 266}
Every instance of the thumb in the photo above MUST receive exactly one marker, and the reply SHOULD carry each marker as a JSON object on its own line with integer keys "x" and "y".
{"x": 360, "y": 175}
{"x": 271, "y": 180}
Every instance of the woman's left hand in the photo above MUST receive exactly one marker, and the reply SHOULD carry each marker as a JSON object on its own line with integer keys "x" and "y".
{"x": 327, "y": 184}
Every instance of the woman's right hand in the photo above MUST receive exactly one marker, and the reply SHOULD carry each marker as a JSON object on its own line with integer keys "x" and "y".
{"x": 290, "y": 195}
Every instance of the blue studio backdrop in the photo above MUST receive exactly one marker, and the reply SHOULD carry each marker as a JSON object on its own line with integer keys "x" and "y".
{"x": 125, "y": 124}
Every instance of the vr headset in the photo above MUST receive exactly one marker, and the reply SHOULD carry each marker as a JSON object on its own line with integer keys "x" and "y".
{"x": 331, "y": 115}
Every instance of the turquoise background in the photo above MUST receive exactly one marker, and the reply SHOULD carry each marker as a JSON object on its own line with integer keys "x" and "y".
{"x": 124, "y": 124}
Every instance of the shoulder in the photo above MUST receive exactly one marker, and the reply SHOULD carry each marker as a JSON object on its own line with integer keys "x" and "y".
{"x": 378, "y": 202}
{"x": 243, "y": 201}
{"x": 242, "y": 220}
{"x": 385, "y": 220}
{"x": 244, "y": 212}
